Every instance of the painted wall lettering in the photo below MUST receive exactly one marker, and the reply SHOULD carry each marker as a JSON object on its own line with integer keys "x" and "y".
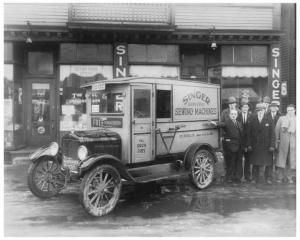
{"x": 120, "y": 68}
{"x": 275, "y": 76}
{"x": 194, "y": 104}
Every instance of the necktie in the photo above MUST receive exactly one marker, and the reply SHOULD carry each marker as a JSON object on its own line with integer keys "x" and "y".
{"x": 245, "y": 120}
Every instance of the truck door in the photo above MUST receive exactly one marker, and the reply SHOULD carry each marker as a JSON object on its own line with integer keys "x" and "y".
{"x": 142, "y": 123}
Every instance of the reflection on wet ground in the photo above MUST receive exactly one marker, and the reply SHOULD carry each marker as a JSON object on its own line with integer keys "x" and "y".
{"x": 159, "y": 205}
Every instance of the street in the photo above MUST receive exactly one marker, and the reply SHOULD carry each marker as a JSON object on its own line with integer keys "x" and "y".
{"x": 168, "y": 208}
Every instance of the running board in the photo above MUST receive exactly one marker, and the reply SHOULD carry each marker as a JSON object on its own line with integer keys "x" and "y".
{"x": 157, "y": 172}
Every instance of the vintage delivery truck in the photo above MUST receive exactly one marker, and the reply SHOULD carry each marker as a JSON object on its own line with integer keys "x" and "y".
{"x": 142, "y": 129}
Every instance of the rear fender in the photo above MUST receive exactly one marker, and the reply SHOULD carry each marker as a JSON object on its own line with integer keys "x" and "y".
{"x": 105, "y": 159}
{"x": 192, "y": 149}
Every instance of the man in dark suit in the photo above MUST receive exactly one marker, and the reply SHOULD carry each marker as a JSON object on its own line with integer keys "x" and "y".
{"x": 261, "y": 144}
{"x": 232, "y": 144}
{"x": 244, "y": 117}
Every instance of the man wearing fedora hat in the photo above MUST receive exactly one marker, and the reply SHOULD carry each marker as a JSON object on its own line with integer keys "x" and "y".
{"x": 244, "y": 118}
{"x": 274, "y": 113}
{"x": 266, "y": 102}
{"x": 261, "y": 144}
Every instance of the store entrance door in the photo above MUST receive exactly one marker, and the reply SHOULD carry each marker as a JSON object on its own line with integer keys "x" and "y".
{"x": 41, "y": 123}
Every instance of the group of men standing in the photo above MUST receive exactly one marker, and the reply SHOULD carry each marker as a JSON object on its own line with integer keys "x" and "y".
{"x": 250, "y": 136}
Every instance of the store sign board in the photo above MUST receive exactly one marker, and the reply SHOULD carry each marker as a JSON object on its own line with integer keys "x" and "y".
{"x": 120, "y": 68}
{"x": 107, "y": 122}
{"x": 194, "y": 104}
{"x": 275, "y": 75}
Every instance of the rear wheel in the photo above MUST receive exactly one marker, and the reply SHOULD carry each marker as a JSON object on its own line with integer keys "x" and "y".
{"x": 202, "y": 169}
{"x": 45, "y": 178}
{"x": 100, "y": 190}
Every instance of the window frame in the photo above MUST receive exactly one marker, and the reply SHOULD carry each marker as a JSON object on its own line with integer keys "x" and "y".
{"x": 166, "y": 88}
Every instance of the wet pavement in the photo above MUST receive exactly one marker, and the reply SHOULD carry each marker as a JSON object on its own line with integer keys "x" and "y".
{"x": 168, "y": 208}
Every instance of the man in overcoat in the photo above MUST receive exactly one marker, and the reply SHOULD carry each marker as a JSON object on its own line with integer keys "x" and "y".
{"x": 261, "y": 144}
{"x": 244, "y": 117}
{"x": 232, "y": 144}
{"x": 285, "y": 132}
{"x": 274, "y": 115}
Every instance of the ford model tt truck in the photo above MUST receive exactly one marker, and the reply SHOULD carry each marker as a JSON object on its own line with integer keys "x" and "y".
{"x": 143, "y": 129}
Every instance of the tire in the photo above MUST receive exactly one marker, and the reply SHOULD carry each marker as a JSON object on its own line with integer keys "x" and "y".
{"x": 45, "y": 178}
{"x": 100, "y": 190}
{"x": 202, "y": 169}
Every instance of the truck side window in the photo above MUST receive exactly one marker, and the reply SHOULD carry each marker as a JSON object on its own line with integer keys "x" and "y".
{"x": 163, "y": 104}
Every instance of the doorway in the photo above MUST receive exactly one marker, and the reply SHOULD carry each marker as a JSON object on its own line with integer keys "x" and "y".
{"x": 41, "y": 121}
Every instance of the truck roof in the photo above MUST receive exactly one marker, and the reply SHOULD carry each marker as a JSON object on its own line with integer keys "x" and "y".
{"x": 153, "y": 80}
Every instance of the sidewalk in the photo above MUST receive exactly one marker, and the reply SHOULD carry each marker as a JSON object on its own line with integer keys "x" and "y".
{"x": 19, "y": 156}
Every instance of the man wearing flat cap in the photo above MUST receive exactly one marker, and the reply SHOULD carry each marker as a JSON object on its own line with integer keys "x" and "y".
{"x": 261, "y": 144}
{"x": 244, "y": 118}
{"x": 231, "y": 106}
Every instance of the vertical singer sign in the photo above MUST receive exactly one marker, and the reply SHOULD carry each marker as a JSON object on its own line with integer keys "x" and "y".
{"x": 275, "y": 73}
{"x": 120, "y": 60}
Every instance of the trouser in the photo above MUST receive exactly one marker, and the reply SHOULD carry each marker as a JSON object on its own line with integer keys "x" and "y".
{"x": 247, "y": 165}
{"x": 259, "y": 172}
{"x": 234, "y": 165}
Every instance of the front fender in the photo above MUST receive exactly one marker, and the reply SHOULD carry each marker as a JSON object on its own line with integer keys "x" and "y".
{"x": 104, "y": 159}
{"x": 47, "y": 151}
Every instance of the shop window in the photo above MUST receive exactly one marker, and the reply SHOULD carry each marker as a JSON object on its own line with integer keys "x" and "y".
{"x": 242, "y": 54}
{"x": 97, "y": 53}
{"x": 192, "y": 62}
{"x": 40, "y": 63}
{"x": 252, "y": 88}
{"x": 73, "y": 98}
{"x": 260, "y": 55}
{"x": 160, "y": 54}
{"x": 40, "y": 109}
{"x": 163, "y": 104}
{"x": 8, "y": 105}
{"x": 153, "y": 71}
{"x": 227, "y": 54}
{"x": 107, "y": 102}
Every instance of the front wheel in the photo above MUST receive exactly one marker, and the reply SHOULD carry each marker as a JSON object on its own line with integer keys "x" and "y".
{"x": 100, "y": 190}
{"x": 202, "y": 169}
{"x": 45, "y": 178}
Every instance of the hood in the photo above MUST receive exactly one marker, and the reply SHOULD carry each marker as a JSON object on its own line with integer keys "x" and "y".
{"x": 93, "y": 135}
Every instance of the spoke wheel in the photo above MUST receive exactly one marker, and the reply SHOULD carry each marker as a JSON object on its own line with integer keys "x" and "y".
{"x": 100, "y": 190}
{"x": 202, "y": 169}
{"x": 45, "y": 178}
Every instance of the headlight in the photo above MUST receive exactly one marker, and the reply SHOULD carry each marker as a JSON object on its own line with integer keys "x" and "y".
{"x": 82, "y": 152}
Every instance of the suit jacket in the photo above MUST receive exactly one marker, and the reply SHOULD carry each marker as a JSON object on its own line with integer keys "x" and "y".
{"x": 275, "y": 119}
{"x": 224, "y": 118}
{"x": 245, "y": 125}
{"x": 233, "y": 135}
{"x": 261, "y": 137}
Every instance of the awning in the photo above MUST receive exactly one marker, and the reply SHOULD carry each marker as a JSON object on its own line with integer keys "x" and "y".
{"x": 244, "y": 72}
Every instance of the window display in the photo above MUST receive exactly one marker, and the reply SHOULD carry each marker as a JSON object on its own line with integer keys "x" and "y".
{"x": 73, "y": 98}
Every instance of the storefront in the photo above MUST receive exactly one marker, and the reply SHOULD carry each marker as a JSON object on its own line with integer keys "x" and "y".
{"x": 43, "y": 76}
